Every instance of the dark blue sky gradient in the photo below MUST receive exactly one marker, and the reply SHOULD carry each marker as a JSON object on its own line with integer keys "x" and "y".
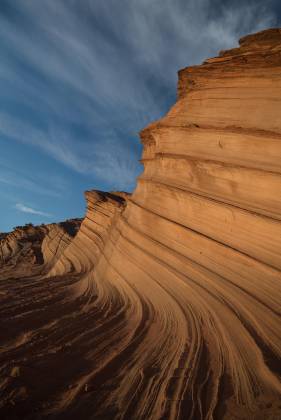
{"x": 80, "y": 78}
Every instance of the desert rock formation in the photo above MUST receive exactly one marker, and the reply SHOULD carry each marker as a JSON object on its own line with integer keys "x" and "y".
{"x": 57, "y": 239}
{"x": 20, "y": 250}
{"x": 28, "y": 248}
{"x": 166, "y": 304}
{"x": 13, "y": 244}
{"x": 84, "y": 251}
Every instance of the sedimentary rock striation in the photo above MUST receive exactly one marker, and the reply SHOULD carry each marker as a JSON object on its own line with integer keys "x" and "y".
{"x": 57, "y": 239}
{"x": 32, "y": 247}
{"x": 84, "y": 251}
{"x": 20, "y": 250}
{"x": 176, "y": 310}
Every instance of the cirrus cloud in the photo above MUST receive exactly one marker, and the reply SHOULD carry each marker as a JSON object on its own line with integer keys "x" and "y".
{"x": 26, "y": 209}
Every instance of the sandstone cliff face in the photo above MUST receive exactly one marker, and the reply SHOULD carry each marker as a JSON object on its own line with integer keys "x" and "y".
{"x": 195, "y": 257}
{"x": 84, "y": 251}
{"x": 57, "y": 239}
{"x": 179, "y": 285}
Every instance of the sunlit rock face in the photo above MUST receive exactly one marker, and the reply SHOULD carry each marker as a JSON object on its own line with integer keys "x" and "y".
{"x": 84, "y": 251}
{"x": 194, "y": 259}
{"x": 58, "y": 238}
{"x": 176, "y": 310}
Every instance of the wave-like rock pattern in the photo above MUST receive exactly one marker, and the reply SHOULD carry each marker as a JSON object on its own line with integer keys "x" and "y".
{"x": 83, "y": 252}
{"x": 32, "y": 248}
{"x": 177, "y": 314}
{"x": 194, "y": 260}
{"x": 20, "y": 250}
{"x": 59, "y": 236}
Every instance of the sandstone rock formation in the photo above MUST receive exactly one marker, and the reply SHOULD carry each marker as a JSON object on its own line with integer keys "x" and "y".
{"x": 27, "y": 248}
{"x": 84, "y": 251}
{"x": 20, "y": 250}
{"x": 57, "y": 239}
{"x": 177, "y": 289}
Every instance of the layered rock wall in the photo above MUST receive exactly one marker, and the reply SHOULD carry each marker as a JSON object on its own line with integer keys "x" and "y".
{"x": 22, "y": 240}
{"x": 83, "y": 252}
{"x": 196, "y": 255}
{"x": 59, "y": 236}
{"x": 28, "y": 247}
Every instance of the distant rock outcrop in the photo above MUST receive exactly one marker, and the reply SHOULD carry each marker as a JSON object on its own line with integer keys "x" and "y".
{"x": 178, "y": 291}
{"x": 28, "y": 247}
{"x": 22, "y": 245}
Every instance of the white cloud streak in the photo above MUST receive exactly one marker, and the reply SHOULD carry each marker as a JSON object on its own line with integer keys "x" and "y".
{"x": 25, "y": 209}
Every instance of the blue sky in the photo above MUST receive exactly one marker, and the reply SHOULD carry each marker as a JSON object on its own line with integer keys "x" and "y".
{"x": 80, "y": 78}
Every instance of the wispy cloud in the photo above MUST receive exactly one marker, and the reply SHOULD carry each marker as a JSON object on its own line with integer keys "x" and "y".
{"x": 18, "y": 180}
{"x": 25, "y": 209}
{"x": 90, "y": 77}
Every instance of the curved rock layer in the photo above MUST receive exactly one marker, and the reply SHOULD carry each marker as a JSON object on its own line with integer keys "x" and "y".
{"x": 84, "y": 251}
{"x": 193, "y": 262}
{"x": 20, "y": 250}
{"x": 59, "y": 236}
{"x": 180, "y": 316}
{"x": 30, "y": 248}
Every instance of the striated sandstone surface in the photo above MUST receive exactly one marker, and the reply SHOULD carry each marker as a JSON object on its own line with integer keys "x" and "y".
{"x": 83, "y": 253}
{"x": 166, "y": 304}
{"x": 28, "y": 248}
{"x": 57, "y": 239}
{"x": 20, "y": 250}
